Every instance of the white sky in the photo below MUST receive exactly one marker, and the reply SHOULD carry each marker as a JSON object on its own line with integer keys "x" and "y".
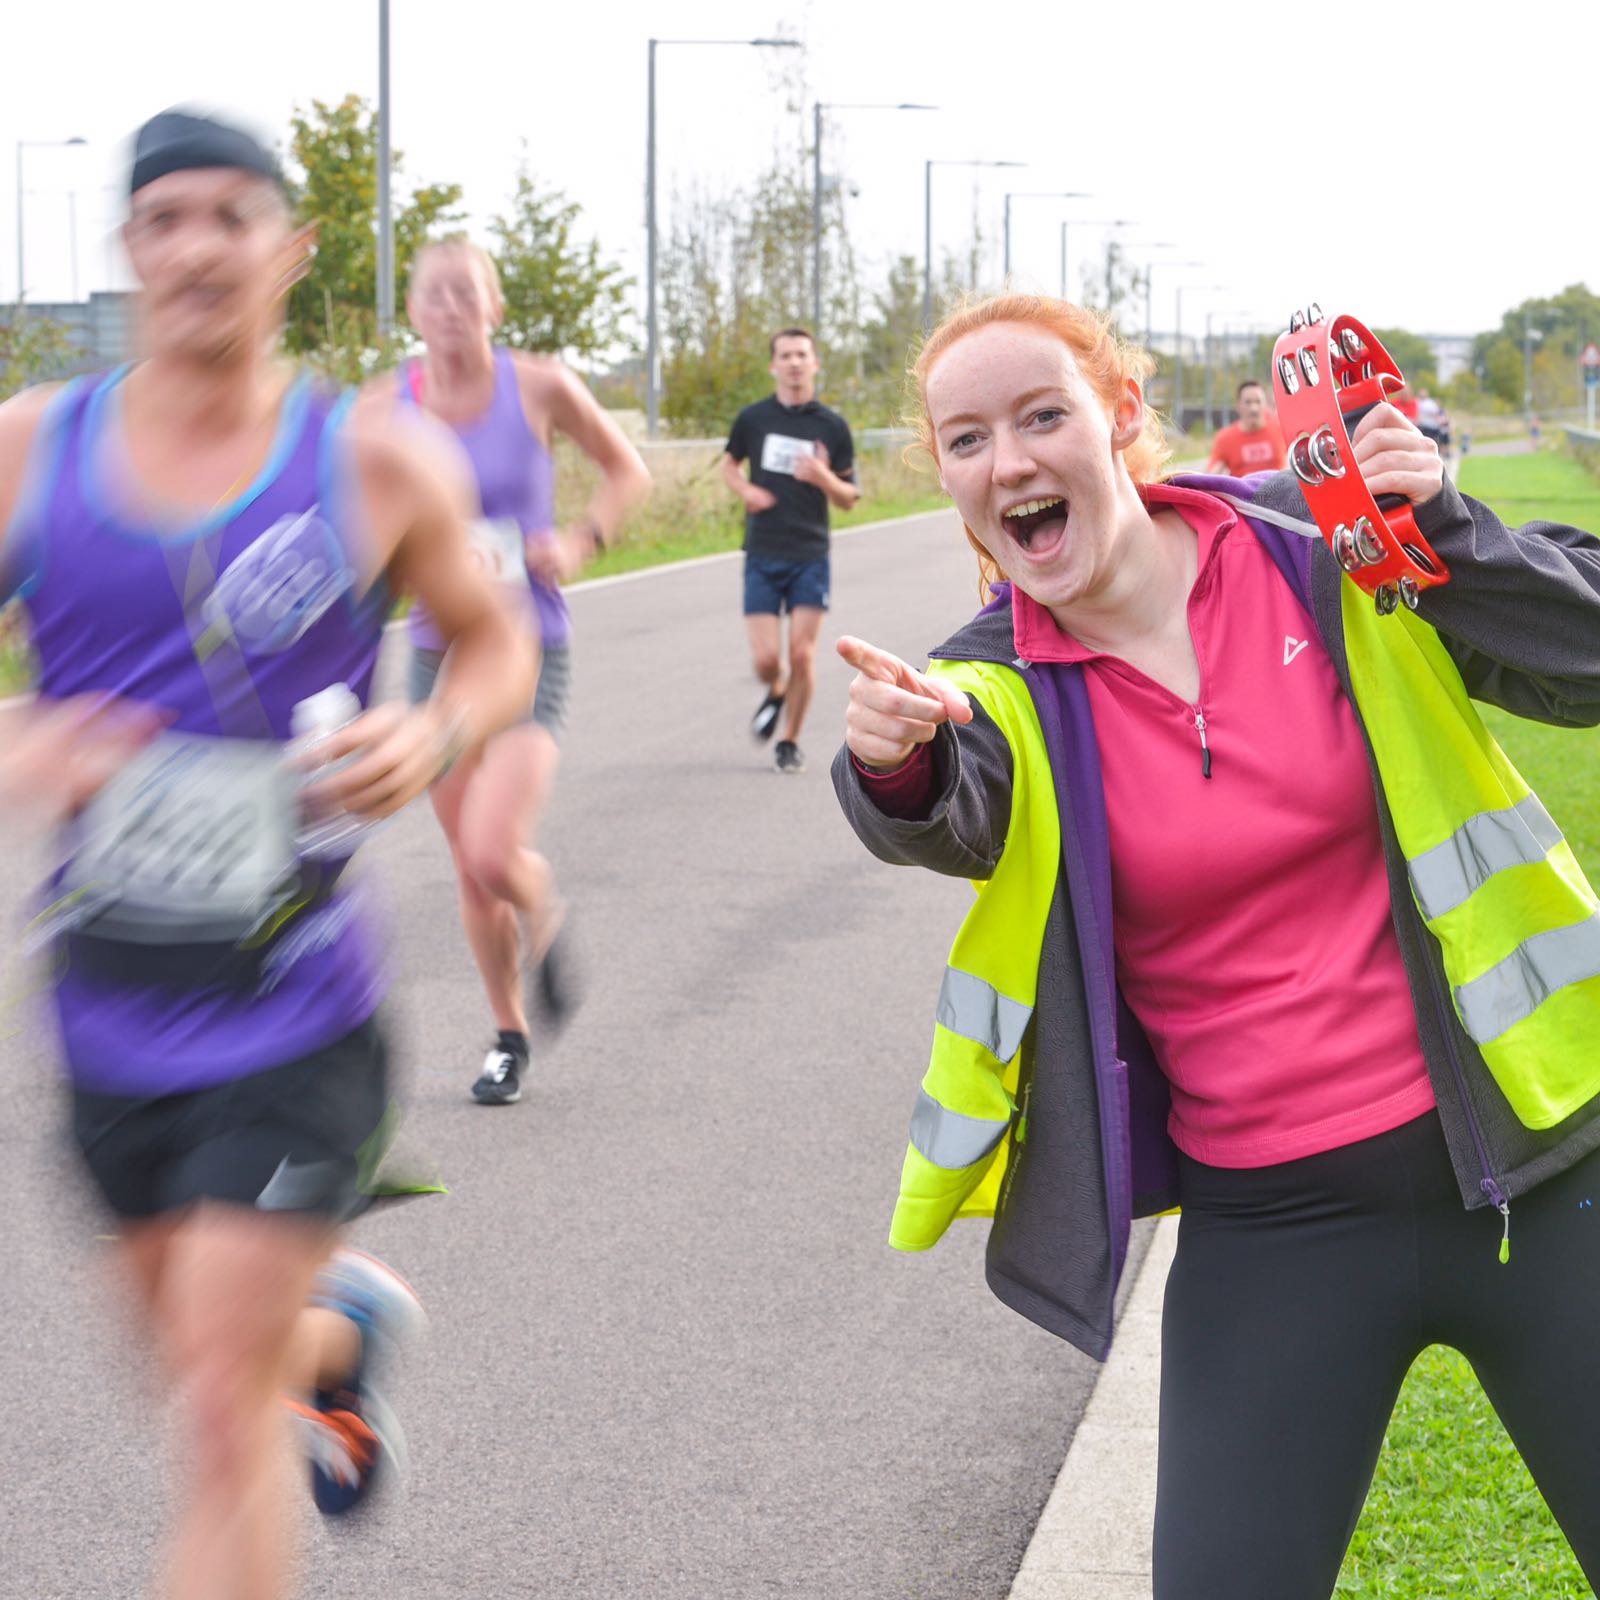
{"x": 1462, "y": 180}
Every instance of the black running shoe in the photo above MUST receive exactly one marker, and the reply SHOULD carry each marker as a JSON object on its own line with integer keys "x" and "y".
{"x": 788, "y": 756}
{"x": 553, "y": 986}
{"x": 500, "y": 1082}
{"x": 765, "y": 722}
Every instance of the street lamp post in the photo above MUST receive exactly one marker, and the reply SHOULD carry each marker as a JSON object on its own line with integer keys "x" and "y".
{"x": 33, "y": 144}
{"x": 1149, "y": 270}
{"x": 1086, "y": 222}
{"x": 652, "y": 359}
{"x": 816, "y": 188}
{"x": 1211, "y": 390}
{"x": 1529, "y": 336}
{"x": 927, "y": 225}
{"x": 385, "y": 200}
{"x": 1149, "y": 277}
{"x": 1034, "y": 194}
{"x": 1177, "y": 348}
{"x": 1211, "y": 363}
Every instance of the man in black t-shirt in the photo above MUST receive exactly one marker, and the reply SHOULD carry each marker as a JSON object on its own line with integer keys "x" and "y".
{"x": 802, "y": 460}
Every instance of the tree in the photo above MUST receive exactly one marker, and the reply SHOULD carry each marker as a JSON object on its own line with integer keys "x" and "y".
{"x": 734, "y": 270}
{"x": 333, "y": 313}
{"x": 1561, "y": 324}
{"x": 1116, "y": 286}
{"x": 560, "y": 297}
{"x": 1413, "y": 355}
{"x": 1501, "y": 367}
{"x": 33, "y": 349}
{"x": 890, "y": 340}
{"x": 710, "y": 365}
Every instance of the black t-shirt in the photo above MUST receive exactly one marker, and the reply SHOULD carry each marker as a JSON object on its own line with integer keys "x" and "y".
{"x": 770, "y": 435}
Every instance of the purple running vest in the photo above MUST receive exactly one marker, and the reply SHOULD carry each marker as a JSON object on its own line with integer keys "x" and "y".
{"x": 107, "y": 616}
{"x": 516, "y": 479}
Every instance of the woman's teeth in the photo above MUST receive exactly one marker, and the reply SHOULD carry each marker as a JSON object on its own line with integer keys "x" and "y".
{"x": 1023, "y": 521}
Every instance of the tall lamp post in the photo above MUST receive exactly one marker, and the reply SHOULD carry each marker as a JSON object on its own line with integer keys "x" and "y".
{"x": 1034, "y": 194}
{"x": 1177, "y": 346}
{"x": 1086, "y": 222}
{"x": 385, "y": 199}
{"x": 1149, "y": 275}
{"x": 31, "y": 144}
{"x": 927, "y": 225}
{"x": 1149, "y": 269}
{"x": 1530, "y": 335}
{"x": 816, "y": 187}
{"x": 1214, "y": 405}
{"x": 652, "y": 359}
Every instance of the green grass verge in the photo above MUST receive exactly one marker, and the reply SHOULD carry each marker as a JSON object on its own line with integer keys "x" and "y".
{"x": 711, "y": 536}
{"x": 1453, "y": 1511}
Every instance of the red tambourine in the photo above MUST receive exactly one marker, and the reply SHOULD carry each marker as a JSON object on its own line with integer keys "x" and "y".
{"x": 1327, "y": 375}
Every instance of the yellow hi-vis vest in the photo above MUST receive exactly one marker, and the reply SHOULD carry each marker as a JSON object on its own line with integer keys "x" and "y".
{"x": 966, "y": 1113}
{"x": 1497, "y": 885}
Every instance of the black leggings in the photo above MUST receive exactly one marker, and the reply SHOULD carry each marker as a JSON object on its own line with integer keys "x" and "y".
{"x": 1299, "y": 1298}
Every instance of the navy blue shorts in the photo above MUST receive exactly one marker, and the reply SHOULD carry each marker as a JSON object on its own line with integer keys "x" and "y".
{"x": 773, "y": 587}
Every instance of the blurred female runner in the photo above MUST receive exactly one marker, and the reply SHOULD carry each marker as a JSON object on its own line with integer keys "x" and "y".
{"x": 506, "y": 407}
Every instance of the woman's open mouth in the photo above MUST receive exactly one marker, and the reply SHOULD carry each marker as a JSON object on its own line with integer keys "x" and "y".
{"x": 1037, "y": 526}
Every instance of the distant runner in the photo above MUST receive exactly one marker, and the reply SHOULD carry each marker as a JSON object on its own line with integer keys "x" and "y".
{"x": 802, "y": 461}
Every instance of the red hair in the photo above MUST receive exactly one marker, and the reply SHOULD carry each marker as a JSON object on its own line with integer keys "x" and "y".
{"x": 1106, "y": 361}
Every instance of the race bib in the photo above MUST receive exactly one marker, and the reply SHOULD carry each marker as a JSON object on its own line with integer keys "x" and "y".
{"x": 779, "y": 452}
{"x": 496, "y": 544}
{"x": 192, "y": 841}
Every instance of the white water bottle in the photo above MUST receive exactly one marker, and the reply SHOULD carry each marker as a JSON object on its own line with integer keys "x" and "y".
{"x": 313, "y": 720}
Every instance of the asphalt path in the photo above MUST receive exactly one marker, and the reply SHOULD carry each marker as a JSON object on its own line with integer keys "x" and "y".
{"x": 671, "y": 1354}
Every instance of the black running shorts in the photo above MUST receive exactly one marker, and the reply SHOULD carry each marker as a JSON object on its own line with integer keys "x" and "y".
{"x": 283, "y": 1140}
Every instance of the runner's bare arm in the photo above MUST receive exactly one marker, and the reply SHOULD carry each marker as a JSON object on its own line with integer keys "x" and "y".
{"x": 557, "y": 392}
{"x": 754, "y": 496}
{"x": 817, "y": 470}
{"x": 19, "y": 423}
{"x": 52, "y": 756}
{"x": 417, "y": 504}
{"x": 492, "y": 664}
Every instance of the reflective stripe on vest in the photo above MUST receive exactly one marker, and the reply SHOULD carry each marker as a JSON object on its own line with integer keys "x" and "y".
{"x": 1447, "y": 875}
{"x": 1513, "y": 989}
{"x": 1517, "y": 923}
{"x": 978, "y": 1011}
{"x": 947, "y": 1138}
{"x": 962, "y": 1125}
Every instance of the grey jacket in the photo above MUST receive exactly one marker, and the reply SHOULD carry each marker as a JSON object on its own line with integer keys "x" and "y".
{"x": 1521, "y": 618}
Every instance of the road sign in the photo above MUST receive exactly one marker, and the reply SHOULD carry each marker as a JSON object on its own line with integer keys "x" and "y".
{"x": 1591, "y": 357}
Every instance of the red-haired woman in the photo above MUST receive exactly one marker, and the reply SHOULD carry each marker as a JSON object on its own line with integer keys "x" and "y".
{"x": 1209, "y": 963}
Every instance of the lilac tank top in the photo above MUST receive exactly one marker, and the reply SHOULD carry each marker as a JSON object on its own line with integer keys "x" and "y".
{"x": 516, "y": 483}
{"x": 105, "y": 601}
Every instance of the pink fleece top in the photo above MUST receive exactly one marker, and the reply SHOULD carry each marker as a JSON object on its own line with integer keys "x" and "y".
{"x": 1253, "y": 929}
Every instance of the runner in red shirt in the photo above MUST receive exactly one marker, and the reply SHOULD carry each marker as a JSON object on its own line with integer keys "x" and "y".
{"x": 1254, "y": 443}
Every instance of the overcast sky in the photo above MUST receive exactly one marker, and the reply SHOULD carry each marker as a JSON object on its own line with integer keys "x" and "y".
{"x": 1421, "y": 166}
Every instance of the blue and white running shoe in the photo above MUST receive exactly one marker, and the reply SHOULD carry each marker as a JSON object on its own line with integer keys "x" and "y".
{"x": 351, "y": 1434}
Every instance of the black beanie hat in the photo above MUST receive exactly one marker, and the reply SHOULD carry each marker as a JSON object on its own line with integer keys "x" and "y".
{"x": 178, "y": 141}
